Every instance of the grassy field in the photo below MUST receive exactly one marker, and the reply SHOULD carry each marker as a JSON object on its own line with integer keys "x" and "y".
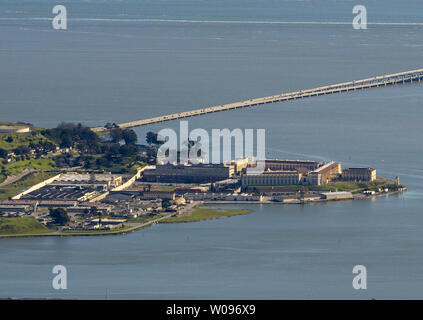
{"x": 144, "y": 219}
{"x": 128, "y": 166}
{"x": 21, "y": 139}
{"x": 22, "y": 226}
{"x": 17, "y": 167}
{"x": 28, "y": 181}
{"x": 199, "y": 214}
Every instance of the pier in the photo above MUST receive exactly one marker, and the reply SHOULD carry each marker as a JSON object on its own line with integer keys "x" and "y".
{"x": 374, "y": 82}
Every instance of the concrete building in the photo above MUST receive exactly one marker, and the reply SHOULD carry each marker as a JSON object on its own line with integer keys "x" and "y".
{"x": 152, "y": 195}
{"x": 239, "y": 164}
{"x": 222, "y": 197}
{"x": 323, "y": 174}
{"x": 98, "y": 181}
{"x": 277, "y": 165}
{"x": 57, "y": 203}
{"x": 14, "y": 129}
{"x": 201, "y": 173}
{"x": 336, "y": 195}
{"x": 10, "y": 208}
{"x": 61, "y": 193}
{"x": 301, "y": 175}
{"x": 107, "y": 223}
{"x": 83, "y": 209}
{"x": 359, "y": 174}
{"x": 271, "y": 178}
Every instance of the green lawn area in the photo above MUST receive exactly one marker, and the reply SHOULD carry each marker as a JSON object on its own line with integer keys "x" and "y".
{"x": 199, "y": 214}
{"x": 22, "y": 226}
{"x": 2, "y": 176}
{"x": 15, "y": 168}
{"x": 28, "y": 181}
{"x": 144, "y": 219}
{"x": 20, "y": 139}
{"x": 126, "y": 165}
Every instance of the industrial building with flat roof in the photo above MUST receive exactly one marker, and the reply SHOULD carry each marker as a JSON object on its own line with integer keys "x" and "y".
{"x": 340, "y": 195}
{"x": 53, "y": 192}
{"x": 200, "y": 173}
{"x": 100, "y": 181}
{"x": 271, "y": 178}
{"x": 14, "y": 129}
{"x": 276, "y": 165}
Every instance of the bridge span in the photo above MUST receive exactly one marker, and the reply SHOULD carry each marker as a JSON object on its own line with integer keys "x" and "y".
{"x": 374, "y": 82}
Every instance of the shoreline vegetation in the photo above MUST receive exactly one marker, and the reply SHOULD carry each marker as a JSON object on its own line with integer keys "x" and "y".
{"x": 205, "y": 213}
{"x": 23, "y": 226}
{"x": 29, "y": 227}
{"x": 38, "y": 154}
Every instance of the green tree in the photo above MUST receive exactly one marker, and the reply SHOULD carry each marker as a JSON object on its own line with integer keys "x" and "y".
{"x": 129, "y": 136}
{"x": 59, "y": 216}
{"x": 116, "y": 134}
{"x": 151, "y": 137}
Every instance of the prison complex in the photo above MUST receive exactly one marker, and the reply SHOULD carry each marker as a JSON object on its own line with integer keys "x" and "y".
{"x": 303, "y": 172}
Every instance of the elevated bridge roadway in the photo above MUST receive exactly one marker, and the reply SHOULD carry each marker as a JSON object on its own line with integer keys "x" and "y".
{"x": 374, "y": 82}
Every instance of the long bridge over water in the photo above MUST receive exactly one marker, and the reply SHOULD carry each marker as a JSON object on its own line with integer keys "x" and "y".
{"x": 374, "y": 82}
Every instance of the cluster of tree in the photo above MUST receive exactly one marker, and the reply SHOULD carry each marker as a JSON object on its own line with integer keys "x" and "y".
{"x": 59, "y": 216}
{"x": 23, "y": 151}
{"x": 114, "y": 154}
{"x": 152, "y": 138}
{"x": 89, "y": 145}
{"x": 92, "y": 146}
{"x": 127, "y": 135}
{"x": 42, "y": 147}
{"x": 3, "y": 153}
{"x": 77, "y": 136}
{"x": 68, "y": 160}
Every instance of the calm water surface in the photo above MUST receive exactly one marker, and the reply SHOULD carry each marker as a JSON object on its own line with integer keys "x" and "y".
{"x": 126, "y": 60}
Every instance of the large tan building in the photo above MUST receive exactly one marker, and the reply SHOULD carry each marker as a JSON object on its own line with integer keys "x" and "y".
{"x": 324, "y": 174}
{"x": 239, "y": 164}
{"x": 359, "y": 174}
{"x": 291, "y": 164}
{"x": 293, "y": 172}
{"x": 271, "y": 178}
